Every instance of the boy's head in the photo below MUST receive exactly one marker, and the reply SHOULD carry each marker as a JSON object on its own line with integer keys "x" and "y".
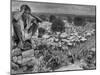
{"x": 26, "y": 9}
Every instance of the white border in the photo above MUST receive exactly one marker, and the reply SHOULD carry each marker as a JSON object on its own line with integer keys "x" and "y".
{"x": 5, "y": 36}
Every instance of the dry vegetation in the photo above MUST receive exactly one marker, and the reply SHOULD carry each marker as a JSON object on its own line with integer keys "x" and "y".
{"x": 60, "y": 46}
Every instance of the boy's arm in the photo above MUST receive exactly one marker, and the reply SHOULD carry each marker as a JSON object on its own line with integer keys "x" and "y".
{"x": 17, "y": 15}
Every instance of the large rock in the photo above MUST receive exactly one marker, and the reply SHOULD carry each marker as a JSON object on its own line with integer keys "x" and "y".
{"x": 19, "y": 59}
{"x": 83, "y": 39}
{"x": 28, "y": 53}
{"x": 93, "y": 49}
{"x": 63, "y": 35}
{"x": 16, "y": 52}
{"x": 14, "y": 66}
{"x": 14, "y": 59}
{"x": 46, "y": 36}
{"x": 24, "y": 61}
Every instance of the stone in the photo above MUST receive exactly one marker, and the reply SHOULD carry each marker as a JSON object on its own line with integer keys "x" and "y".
{"x": 65, "y": 47}
{"x": 14, "y": 66}
{"x": 19, "y": 59}
{"x": 51, "y": 39}
{"x": 16, "y": 52}
{"x": 93, "y": 49}
{"x": 69, "y": 43}
{"x": 63, "y": 35}
{"x": 65, "y": 40}
{"x": 14, "y": 59}
{"x": 28, "y": 53}
{"x": 24, "y": 68}
{"x": 56, "y": 39}
{"x": 45, "y": 36}
{"x": 24, "y": 61}
{"x": 83, "y": 39}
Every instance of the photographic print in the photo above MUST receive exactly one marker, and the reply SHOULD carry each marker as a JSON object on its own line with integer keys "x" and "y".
{"x": 52, "y": 37}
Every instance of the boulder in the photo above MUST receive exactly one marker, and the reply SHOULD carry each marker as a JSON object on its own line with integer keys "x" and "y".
{"x": 93, "y": 49}
{"x": 83, "y": 39}
{"x": 14, "y": 59}
{"x": 63, "y": 35}
{"x": 16, "y": 52}
{"x": 45, "y": 36}
{"x": 28, "y": 53}
{"x": 24, "y": 61}
{"x": 19, "y": 59}
{"x": 14, "y": 66}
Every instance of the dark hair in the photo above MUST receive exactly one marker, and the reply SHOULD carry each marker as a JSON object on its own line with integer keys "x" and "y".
{"x": 25, "y": 7}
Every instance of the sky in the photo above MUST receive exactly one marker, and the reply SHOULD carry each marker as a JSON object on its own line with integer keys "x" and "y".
{"x": 38, "y": 7}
